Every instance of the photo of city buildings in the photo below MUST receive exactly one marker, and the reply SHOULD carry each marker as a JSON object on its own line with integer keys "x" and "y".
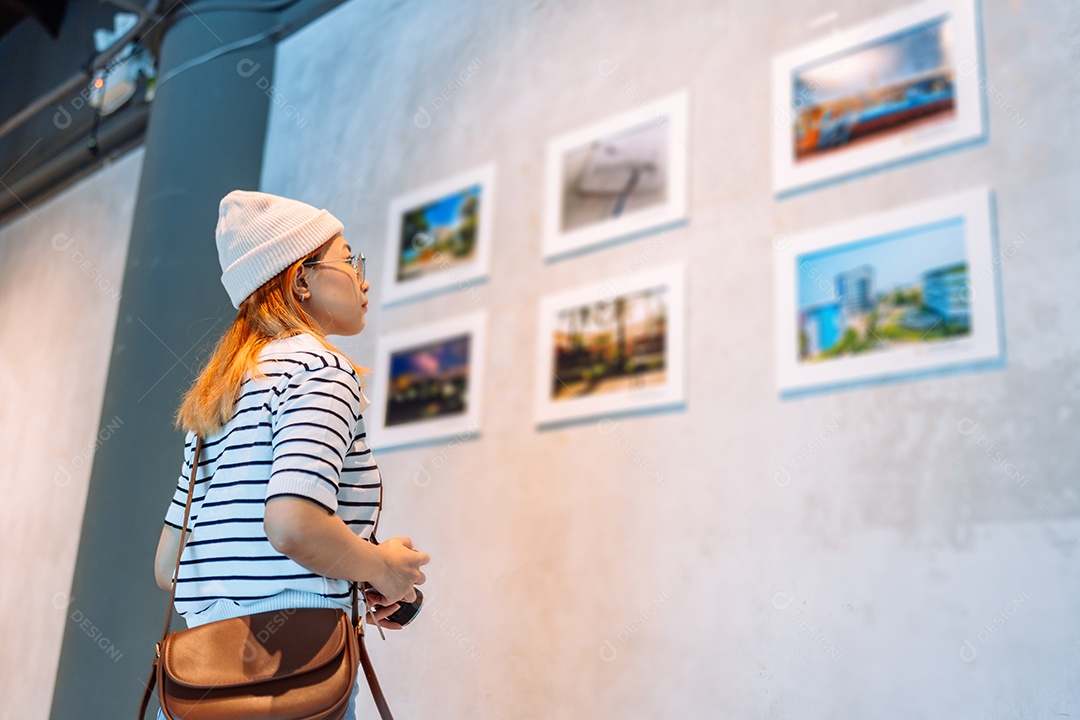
{"x": 878, "y": 293}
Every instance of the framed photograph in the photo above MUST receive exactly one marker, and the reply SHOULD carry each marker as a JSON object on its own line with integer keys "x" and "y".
{"x": 613, "y": 347}
{"x": 907, "y": 292}
{"x": 616, "y": 179}
{"x": 903, "y": 86}
{"x": 439, "y": 237}
{"x": 428, "y": 382}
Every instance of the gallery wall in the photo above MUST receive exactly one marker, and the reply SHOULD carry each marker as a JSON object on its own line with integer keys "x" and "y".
{"x": 903, "y": 548}
{"x": 61, "y": 273}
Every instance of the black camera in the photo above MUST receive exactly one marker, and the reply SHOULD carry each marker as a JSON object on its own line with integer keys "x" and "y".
{"x": 406, "y": 610}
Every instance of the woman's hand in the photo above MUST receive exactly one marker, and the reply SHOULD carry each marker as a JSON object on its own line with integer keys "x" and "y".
{"x": 401, "y": 570}
{"x": 378, "y": 611}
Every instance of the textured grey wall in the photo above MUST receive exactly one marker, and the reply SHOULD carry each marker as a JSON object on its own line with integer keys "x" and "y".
{"x": 61, "y": 269}
{"x": 902, "y": 571}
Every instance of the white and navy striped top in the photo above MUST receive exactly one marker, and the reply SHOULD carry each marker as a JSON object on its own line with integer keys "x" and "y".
{"x": 299, "y": 431}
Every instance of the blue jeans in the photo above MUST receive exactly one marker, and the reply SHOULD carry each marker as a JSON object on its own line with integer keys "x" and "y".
{"x": 350, "y": 714}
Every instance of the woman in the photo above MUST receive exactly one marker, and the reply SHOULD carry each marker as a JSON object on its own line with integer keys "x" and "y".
{"x": 287, "y": 491}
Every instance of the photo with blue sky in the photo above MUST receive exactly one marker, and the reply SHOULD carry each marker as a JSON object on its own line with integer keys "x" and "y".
{"x": 894, "y": 60}
{"x": 898, "y": 259}
{"x": 440, "y": 234}
{"x": 878, "y": 293}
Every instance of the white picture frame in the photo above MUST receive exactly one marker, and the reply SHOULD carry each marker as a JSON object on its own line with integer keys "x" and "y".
{"x": 616, "y": 179}
{"x": 436, "y": 345}
{"x": 883, "y": 297}
{"x": 429, "y": 269}
{"x": 843, "y": 120}
{"x": 653, "y": 315}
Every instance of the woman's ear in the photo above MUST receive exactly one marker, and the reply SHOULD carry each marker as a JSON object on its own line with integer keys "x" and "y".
{"x": 299, "y": 286}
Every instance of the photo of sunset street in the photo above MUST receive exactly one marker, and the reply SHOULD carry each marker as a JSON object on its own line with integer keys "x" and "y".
{"x": 429, "y": 382}
{"x": 611, "y": 346}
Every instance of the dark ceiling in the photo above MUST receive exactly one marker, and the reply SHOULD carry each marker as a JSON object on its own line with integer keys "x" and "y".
{"x": 65, "y": 139}
{"x": 32, "y": 63}
{"x": 48, "y": 14}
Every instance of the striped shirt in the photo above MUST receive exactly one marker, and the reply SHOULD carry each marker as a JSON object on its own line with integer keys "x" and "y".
{"x": 298, "y": 431}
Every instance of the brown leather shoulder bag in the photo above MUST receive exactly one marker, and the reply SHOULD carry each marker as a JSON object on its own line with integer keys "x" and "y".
{"x": 292, "y": 664}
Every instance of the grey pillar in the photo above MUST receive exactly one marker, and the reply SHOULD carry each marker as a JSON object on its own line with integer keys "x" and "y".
{"x": 205, "y": 137}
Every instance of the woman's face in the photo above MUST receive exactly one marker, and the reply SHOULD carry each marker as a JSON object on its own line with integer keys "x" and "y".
{"x": 335, "y": 297}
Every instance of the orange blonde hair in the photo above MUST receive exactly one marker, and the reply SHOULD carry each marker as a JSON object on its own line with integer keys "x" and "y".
{"x": 272, "y": 312}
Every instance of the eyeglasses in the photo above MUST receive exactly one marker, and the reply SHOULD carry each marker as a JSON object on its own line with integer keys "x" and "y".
{"x": 357, "y": 261}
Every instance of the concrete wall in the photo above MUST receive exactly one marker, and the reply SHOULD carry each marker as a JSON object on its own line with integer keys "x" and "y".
{"x": 903, "y": 571}
{"x": 61, "y": 272}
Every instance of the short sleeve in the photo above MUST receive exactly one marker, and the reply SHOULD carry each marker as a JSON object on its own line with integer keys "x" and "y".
{"x": 174, "y": 516}
{"x": 313, "y": 424}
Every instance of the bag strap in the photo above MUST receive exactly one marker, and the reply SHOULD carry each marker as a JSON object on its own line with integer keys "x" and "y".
{"x": 183, "y": 535}
{"x": 365, "y": 660}
{"x": 176, "y": 572}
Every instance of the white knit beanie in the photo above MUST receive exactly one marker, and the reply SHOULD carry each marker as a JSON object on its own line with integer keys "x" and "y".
{"x": 259, "y": 235}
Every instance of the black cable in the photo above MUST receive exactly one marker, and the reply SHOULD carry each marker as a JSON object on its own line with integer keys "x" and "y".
{"x": 216, "y": 53}
{"x": 256, "y": 6}
{"x": 235, "y": 45}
